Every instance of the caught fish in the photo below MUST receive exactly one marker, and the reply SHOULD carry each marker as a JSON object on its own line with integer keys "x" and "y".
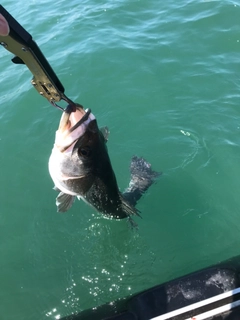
{"x": 80, "y": 167}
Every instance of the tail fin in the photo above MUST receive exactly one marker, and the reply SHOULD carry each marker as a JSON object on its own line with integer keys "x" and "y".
{"x": 142, "y": 177}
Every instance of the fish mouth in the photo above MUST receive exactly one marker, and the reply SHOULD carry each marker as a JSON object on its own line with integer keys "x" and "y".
{"x": 72, "y": 126}
{"x": 72, "y": 117}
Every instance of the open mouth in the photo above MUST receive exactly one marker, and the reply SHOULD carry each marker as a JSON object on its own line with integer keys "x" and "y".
{"x": 72, "y": 126}
{"x": 71, "y": 118}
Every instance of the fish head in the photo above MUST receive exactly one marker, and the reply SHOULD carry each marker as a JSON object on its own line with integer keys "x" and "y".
{"x": 78, "y": 151}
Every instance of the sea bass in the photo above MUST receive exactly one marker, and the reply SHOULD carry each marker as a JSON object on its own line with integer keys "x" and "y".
{"x": 80, "y": 167}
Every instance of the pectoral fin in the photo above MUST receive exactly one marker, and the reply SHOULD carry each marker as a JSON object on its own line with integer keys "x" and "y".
{"x": 64, "y": 202}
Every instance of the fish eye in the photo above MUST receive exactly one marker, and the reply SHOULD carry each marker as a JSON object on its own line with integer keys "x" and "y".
{"x": 84, "y": 152}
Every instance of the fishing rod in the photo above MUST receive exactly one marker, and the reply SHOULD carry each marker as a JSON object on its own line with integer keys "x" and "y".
{"x": 26, "y": 51}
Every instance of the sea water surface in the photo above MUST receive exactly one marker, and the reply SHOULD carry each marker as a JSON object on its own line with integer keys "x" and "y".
{"x": 164, "y": 76}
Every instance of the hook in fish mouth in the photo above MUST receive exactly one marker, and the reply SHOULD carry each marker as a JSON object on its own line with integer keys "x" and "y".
{"x": 72, "y": 117}
{"x": 84, "y": 118}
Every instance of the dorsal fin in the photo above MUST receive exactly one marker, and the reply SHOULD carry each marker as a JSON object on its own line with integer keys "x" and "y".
{"x": 105, "y": 132}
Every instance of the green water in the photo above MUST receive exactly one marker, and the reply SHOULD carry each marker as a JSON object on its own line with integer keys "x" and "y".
{"x": 165, "y": 78}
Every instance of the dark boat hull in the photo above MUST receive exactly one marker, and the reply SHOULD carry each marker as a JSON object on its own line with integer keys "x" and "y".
{"x": 211, "y": 293}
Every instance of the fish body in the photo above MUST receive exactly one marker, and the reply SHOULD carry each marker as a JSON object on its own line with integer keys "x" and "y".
{"x": 80, "y": 167}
